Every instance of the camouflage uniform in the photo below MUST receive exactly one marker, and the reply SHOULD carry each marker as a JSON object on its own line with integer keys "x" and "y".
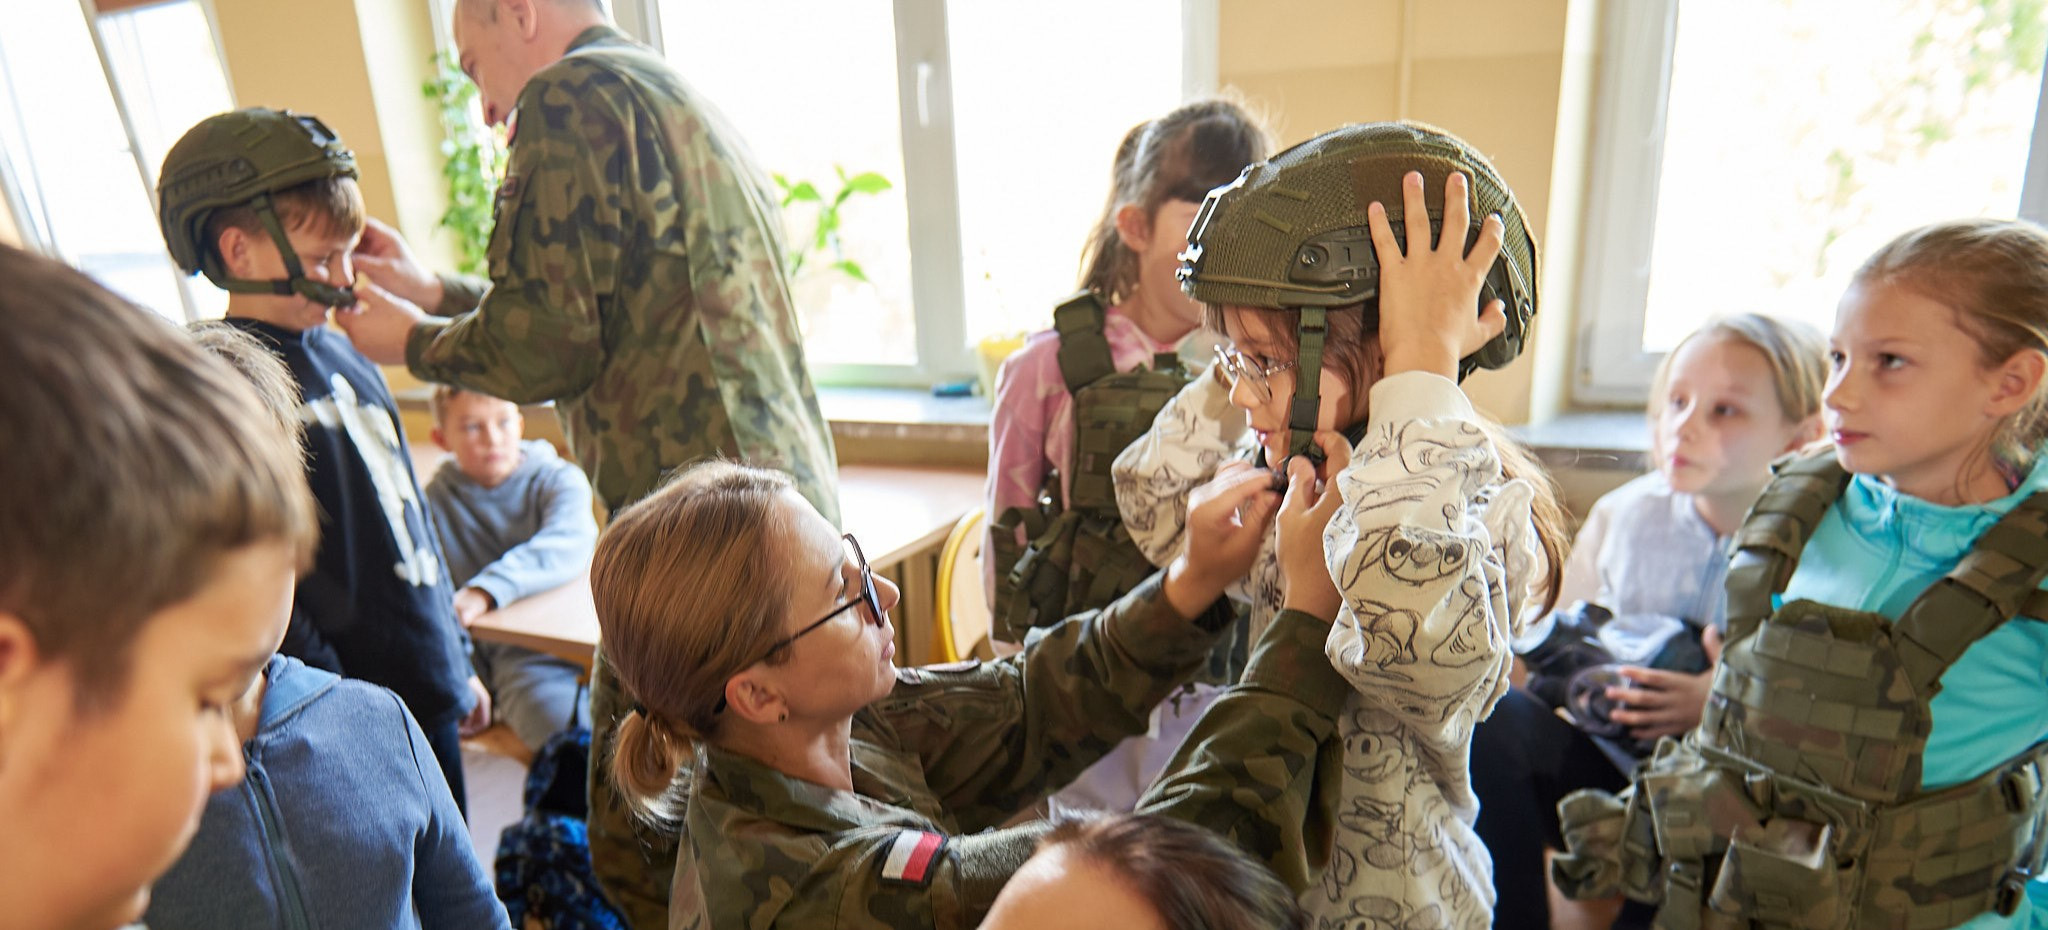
{"x": 949, "y": 754}
{"x": 637, "y": 280}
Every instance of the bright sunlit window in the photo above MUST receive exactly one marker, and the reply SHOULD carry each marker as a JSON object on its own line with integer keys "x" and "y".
{"x": 1793, "y": 141}
{"x": 85, "y": 127}
{"x": 994, "y": 130}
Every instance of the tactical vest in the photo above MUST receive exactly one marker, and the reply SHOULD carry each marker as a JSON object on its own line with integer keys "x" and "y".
{"x": 1078, "y": 556}
{"x": 1798, "y": 801}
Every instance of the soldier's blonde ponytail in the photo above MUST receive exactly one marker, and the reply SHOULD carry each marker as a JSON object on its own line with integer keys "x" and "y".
{"x": 686, "y": 585}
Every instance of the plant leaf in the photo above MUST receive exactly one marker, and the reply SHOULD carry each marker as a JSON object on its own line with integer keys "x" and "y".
{"x": 868, "y": 182}
{"x": 851, "y": 269}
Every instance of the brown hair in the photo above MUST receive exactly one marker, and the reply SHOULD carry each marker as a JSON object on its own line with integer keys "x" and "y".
{"x": 685, "y": 583}
{"x": 1348, "y": 351}
{"x": 260, "y": 367}
{"x": 327, "y": 205}
{"x": 1195, "y": 879}
{"x": 444, "y": 394}
{"x": 142, "y": 458}
{"x": 1994, "y": 275}
{"x": 1180, "y": 156}
{"x": 1794, "y": 351}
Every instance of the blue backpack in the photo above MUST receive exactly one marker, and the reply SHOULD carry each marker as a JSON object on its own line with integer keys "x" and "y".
{"x": 543, "y": 866}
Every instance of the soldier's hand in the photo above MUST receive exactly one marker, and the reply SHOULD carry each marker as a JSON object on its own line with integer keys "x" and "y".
{"x": 384, "y": 257}
{"x": 1311, "y": 501}
{"x": 1427, "y": 294}
{"x": 1660, "y": 703}
{"x": 1228, "y": 519}
{"x": 380, "y": 323}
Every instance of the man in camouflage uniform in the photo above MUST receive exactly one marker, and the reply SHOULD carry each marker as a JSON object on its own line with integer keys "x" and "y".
{"x": 637, "y": 280}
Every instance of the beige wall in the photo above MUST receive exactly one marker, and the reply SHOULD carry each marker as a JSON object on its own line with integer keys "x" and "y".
{"x": 1489, "y": 70}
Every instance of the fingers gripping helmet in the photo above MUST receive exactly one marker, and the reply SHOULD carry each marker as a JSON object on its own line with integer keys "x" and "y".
{"x": 1291, "y": 234}
{"x": 242, "y": 158}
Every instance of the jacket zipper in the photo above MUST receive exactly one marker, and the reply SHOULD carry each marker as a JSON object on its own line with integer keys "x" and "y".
{"x": 291, "y": 901}
{"x": 1895, "y": 539}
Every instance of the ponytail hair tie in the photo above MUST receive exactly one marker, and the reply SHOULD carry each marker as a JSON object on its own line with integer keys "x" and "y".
{"x": 638, "y": 708}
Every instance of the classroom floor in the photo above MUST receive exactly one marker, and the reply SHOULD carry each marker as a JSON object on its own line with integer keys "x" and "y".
{"x": 495, "y": 782}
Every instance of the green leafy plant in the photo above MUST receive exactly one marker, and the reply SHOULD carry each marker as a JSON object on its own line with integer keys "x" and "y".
{"x": 824, "y": 238}
{"x": 473, "y": 160}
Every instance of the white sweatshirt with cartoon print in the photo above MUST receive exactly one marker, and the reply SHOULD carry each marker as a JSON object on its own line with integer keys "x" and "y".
{"x": 1436, "y": 558}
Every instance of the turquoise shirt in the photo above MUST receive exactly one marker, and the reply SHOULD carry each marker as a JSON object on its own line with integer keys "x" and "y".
{"x": 1876, "y": 550}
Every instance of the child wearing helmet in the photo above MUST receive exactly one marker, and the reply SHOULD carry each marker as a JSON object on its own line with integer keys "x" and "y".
{"x": 264, "y": 203}
{"x": 1414, "y": 537}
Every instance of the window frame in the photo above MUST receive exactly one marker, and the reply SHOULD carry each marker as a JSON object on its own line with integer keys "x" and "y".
{"x": 24, "y": 207}
{"x": 931, "y": 180}
{"x": 1637, "y": 39}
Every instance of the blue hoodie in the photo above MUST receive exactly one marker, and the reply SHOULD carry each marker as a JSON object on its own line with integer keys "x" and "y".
{"x": 343, "y": 820}
{"x": 1876, "y": 550}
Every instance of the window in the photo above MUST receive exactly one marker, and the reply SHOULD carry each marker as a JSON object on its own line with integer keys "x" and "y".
{"x": 994, "y": 127}
{"x": 1751, "y": 153}
{"x": 88, "y": 115}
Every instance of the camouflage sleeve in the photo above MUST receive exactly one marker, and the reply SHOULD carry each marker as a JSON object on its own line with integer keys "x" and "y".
{"x": 1194, "y": 434}
{"x": 996, "y": 736}
{"x": 1434, "y": 555}
{"x": 460, "y": 293}
{"x": 1262, "y": 767}
{"x": 858, "y": 880}
{"x": 554, "y": 254}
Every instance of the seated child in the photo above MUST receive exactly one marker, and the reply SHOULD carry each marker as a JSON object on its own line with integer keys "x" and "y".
{"x": 1139, "y": 872}
{"x": 265, "y": 203}
{"x": 152, "y": 520}
{"x": 1872, "y": 751}
{"x": 515, "y": 519}
{"x": 1652, "y": 554}
{"x": 343, "y": 813}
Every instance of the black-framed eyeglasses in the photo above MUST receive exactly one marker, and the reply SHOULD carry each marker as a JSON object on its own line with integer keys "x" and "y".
{"x": 1242, "y": 369}
{"x": 867, "y": 596}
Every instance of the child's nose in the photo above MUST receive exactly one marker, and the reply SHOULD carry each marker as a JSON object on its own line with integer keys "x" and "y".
{"x": 224, "y": 756}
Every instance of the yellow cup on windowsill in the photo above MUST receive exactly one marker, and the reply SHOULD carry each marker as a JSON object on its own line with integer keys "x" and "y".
{"x": 990, "y": 352}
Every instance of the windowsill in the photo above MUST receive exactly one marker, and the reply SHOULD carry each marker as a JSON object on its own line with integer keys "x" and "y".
{"x": 1595, "y": 440}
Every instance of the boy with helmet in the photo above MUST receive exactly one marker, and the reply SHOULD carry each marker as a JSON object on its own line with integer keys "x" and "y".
{"x": 265, "y": 204}
{"x": 1414, "y": 536}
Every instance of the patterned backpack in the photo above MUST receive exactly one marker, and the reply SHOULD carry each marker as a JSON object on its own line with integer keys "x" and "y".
{"x": 543, "y": 866}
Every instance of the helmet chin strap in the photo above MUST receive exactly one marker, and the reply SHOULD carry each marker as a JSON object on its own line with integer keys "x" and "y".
{"x": 294, "y": 281}
{"x": 1308, "y": 377}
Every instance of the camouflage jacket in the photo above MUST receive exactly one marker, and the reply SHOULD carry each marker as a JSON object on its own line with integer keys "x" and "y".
{"x": 636, "y": 280}
{"x": 950, "y": 754}
{"x": 1436, "y": 558}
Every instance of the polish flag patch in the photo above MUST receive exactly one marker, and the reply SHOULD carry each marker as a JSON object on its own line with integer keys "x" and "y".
{"x": 913, "y": 857}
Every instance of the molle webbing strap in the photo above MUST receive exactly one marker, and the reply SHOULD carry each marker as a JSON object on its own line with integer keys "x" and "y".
{"x": 1084, "y": 351}
{"x": 1308, "y": 378}
{"x": 1995, "y": 580}
{"x": 1767, "y": 546}
{"x": 1109, "y": 415}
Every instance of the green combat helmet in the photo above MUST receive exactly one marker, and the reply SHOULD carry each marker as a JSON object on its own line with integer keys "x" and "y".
{"x": 1291, "y": 234}
{"x": 238, "y": 159}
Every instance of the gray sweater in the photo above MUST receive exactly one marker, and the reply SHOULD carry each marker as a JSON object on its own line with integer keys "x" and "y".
{"x": 533, "y": 532}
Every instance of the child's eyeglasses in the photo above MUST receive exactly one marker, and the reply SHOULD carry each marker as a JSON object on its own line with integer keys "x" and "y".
{"x": 1243, "y": 370}
{"x": 867, "y": 597}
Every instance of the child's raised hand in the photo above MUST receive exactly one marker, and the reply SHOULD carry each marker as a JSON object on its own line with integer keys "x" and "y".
{"x": 1311, "y": 501}
{"x": 1227, "y": 521}
{"x": 1427, "y": 294}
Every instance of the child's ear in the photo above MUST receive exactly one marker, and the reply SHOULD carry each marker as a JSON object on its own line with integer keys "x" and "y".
{"x": 234, "y": 251}
{"x": 18, "y": 660}
{"x": 754, "y": 700}
{"x": 439, "y": 440}
{"x": 2018, "y": 380}
{"x": 1133, "y": 227}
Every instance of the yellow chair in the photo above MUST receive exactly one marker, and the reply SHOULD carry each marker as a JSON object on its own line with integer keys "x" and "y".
{"x": 961, "y": 620}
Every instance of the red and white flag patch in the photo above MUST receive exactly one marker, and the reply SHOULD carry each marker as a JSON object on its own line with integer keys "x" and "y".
{"x": 913, "y": 857}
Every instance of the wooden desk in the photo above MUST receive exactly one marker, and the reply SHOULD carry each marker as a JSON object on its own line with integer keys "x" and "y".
{"x": 901, "y": 515}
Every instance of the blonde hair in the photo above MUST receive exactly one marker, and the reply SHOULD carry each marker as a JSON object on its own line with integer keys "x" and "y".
{"x": 445, "y": 394}
{"x": 1201, "y": 145}
{"x": 261, "y": 367}
{"x": 1348, "y": 348}
{"x": 143, "y": 459}
{"x": 686, "y": 584}
{"x": 1994, "y": 275}
{"x": 1795, "y": 353}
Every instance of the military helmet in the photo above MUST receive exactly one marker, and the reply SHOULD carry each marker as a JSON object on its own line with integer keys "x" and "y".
{"x": 1291, "y": 232}
{"x": 241, "y": 158}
